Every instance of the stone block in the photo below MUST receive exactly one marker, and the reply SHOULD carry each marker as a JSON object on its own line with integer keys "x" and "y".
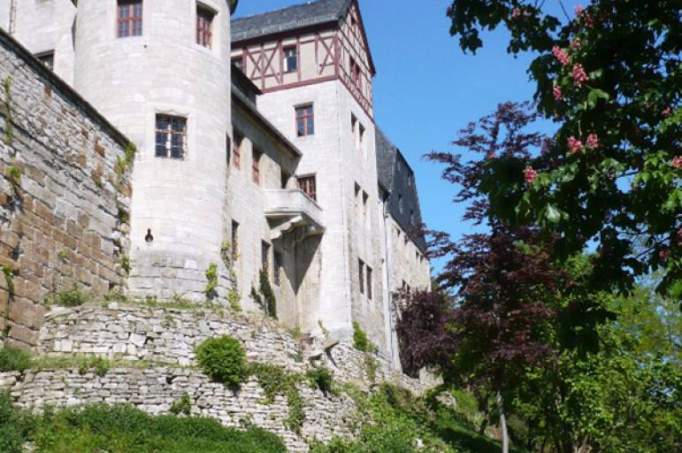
{"x": 27, "y": 313}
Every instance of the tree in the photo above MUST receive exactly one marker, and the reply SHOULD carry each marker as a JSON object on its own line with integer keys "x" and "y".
{"x": 611, "y": 75}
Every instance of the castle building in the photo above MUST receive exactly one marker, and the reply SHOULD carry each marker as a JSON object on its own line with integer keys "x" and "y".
{"x": 258, "y": 154}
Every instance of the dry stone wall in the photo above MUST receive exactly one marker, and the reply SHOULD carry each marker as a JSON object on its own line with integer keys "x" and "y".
{"x": 63, "y": 204}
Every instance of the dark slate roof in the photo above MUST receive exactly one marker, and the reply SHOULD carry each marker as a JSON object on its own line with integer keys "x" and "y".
{"x": 291, "y": 18}
{"x": 396, "y": 176}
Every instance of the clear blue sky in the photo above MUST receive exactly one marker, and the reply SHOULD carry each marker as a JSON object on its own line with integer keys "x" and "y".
{"x": 426, "y": 88}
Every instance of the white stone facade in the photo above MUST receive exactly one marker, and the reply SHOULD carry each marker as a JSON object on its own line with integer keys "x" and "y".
{"x": 317, "y": 251}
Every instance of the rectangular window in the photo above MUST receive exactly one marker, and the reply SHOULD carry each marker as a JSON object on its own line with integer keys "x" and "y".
{"x": 171, "y": 136}
{"x": 204, "y": 26}
{"x": 228, "y": 149}
{"x": 235, "y": 240}
{"x": 46, "y": 58}
{"x": 129, "y": 18}
{"x": 308, "y": 185}
{"x": 361, "y": 276}
{"x": 290, "y": 59}
{"x": 265, "y": 256}
{"x": 353, "y": 123}
{"x": 369, "y": 283}
{"x": 362, "y": 134}
{"x": 255, "y": 166}
{"x": 237, "y": 149}
{"x": 279, "y": 263}
{"x": 355, "y": 73}
{"x": 305, "y": 120}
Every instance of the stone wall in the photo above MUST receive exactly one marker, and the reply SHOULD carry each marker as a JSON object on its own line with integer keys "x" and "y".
{"x": 62, "y": 203}
{"x": 164, "y": 335}
{"x": 155, "y": 390}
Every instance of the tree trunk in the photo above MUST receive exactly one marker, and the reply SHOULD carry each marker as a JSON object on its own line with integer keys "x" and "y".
{"x": 503, "y": 425}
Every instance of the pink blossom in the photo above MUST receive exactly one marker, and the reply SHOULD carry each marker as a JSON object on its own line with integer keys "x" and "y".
{"x": 558, "y": 95}
{"x": 579, "y": 10}
{"x": 576, "y": 44}
{"x": 560, "y": 54}
{"x": 490, "y": 155}
{"x": 574, "y": 145}
{"x": 667, "y": 112}
{"x": 677, "y": 162}
{"x": 593, "y": 141}
{"x": 516, "y": 13}
{"x": 579, "y": 75}
{"x": 529, "y": 174}
{"x": 663, "y": 255}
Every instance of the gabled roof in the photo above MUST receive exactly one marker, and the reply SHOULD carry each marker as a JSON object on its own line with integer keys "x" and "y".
{"x": 295, "y": 17}
{"x": 396, "y": 176}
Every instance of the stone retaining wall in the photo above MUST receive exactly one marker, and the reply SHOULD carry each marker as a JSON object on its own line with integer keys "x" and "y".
{"x": 134, "y": 332}
{"x": 62, "y": 202}
{"x": 155, "y": 390}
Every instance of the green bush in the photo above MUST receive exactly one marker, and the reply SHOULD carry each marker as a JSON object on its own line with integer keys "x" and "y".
{"x": 123, "y": 429}
{"x": 12, "y": 359}
{"x": 182, "y": 406}
{"x": 322, "y": 379}
{"x": 14, "y": 426}
{"x": 360, "y": 340}
{"x": 223, "y": 360}
{"x": 275, "y": 380}
{"x": 72, "y": 298}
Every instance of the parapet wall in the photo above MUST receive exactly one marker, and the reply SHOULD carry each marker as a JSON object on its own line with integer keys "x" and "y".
{"x": 63, "y": 201}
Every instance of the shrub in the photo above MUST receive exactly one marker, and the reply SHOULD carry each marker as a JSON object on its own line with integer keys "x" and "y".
{"x": 266, "y": 297}
{"x": 322, "y": 379}
{"x": 360, "y": 340}
{"x": 99, "y": 364}
{"x": 12, "y": 359}
{"x": 72, "y": 298}
{"x": 14, "y": 426}
{"x": 223, "y": 360}
{"x": 275, "y": 381}
{"x": 182, "y": 406}
{"x": 211, "y": 281}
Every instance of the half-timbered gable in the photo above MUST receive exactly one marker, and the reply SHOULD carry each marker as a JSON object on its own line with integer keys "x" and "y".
{"x": 306, "y": 44}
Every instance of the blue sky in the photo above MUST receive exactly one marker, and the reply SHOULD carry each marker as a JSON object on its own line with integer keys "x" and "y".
{"x": 426, "y": 88}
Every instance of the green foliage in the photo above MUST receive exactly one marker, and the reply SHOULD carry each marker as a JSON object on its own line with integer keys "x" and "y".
{"x": 371, "y": 366}
{"x": 125, "y": 264}
{"x": 268, "y": 300}
{"x": 275, "y": 381}
{"x": 182, "y": 406}
{"x": 9, "y": 274}
{"x": 322, "y": 379}
{"x": 360, "y": 340}
{"x": 125, "y": 162}
{"x": 233, "y": 299}
{"x": 13, "y": 173}
{"x": 9, "y": 127}
{"x": 70, "y": 298}
{"x": 123, "y": 429}
{"x": 223, "y": 360}
{"x": 100, "y": 365}
{"x": 211, "y": 281}
{"x": 14, "y": 426}
{"x": 13, "y": 359}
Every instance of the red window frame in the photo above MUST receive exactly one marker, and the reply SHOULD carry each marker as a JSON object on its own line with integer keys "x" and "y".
{"x": 255, "y": 166}
{"x": 308, "y": 185}
{"x": 129, "y": 18}
{"x": 305, "y": 120}
{"x": 204, "y": 26}
{"x": 237, "y": 150}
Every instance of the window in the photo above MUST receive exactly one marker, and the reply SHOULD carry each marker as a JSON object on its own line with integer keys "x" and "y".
{"x": 369, "y": 283}
{"x": 355, "y": 73}
{"x": 204, "y": 26}
{"x": 353, "y": 123}
{"x": 238, "y": 62}
{"x": 290, "y": 59}
{"x": 400, "y": 203}
{"x": 265, "y": 256}
{"x": 255, "y": 166}
{"x": 237, "y": 149}
{"x": 170, "y": 136}
{"x": 361, "y": 275}
{"x": 228, "y": 149}
{"x": 308, "y": 185}
{"x": 235, "y": 240}
{"x": 362, "y": 134}
{"x": 129, "y": 18}
{"x": 365, "y": 199}
{"x": 305, "y": 120}
{"x": 46, "y": 58}
{"x": 279, "y": 263}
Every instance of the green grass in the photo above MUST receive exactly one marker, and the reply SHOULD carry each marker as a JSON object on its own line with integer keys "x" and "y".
{"x": 122, "y": 429}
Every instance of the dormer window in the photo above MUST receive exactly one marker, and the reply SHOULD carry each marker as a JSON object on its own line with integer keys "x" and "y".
{"x": 290, "y": 59}
{"x": 204, "y": 26}
{"x": 129, "y": 18}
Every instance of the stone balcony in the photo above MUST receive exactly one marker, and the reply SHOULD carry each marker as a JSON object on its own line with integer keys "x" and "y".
{"x": 291, "y": 209}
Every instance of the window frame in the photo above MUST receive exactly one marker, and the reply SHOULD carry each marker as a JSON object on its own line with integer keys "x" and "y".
{"x": 170, "y": 132}
{"x": 305, "y": 120}
{"x": 130, "y": 25}
{"x": 286, "y": 59}
{"x": 237, "y": 144}
{"x": 301, "y": 182}
{"x": 370, "y": 283}
{"x": 235, "y": 241}
{"x": 256, "y": 156}
{"x": 361, "y": 275}
{"x": 205, "y": 16}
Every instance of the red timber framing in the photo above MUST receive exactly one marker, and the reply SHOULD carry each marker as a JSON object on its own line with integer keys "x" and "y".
{"x": 332, "y": 45}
